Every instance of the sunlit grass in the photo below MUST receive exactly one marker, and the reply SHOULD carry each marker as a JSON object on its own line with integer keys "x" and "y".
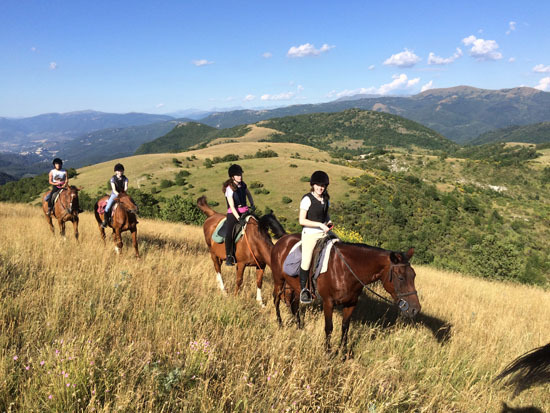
{"x": 85, "y": 330}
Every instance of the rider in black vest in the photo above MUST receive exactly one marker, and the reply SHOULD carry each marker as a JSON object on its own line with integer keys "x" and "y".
{"x": 316, "y": 223}
{"x": 236, "y": 194}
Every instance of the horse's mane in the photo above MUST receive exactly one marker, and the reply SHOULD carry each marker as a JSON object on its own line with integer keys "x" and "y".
{"x": 268, "y": 222}
{"x": 530, "y": 368}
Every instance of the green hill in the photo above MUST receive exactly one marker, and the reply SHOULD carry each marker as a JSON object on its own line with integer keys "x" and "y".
{"x": 536, "y": 133}
{"x": 186, "y": 135}
{"x": 351, "y": 132}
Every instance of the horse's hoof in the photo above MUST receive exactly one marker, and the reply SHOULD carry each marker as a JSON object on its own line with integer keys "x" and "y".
{"x": 117, "y": 250}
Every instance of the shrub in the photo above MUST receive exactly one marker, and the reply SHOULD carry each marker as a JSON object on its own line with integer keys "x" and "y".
{"x": 147, "y": 203}
{"x": 255, "y": 184}
{"x": 166, "y": 183}
{"x": 293, "y": 165}
{"x": 286, "y": 200}
{"x": 182, "y": 210}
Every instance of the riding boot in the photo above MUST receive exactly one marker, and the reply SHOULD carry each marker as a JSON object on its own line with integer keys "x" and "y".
{"x": 230, "y": 259}
{"x": 50, "y": 207}
{"x": 106, "y": 218}
{"x": 305, "y": 294}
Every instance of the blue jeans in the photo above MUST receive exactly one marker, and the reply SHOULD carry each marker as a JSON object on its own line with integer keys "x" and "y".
{"x": 110, "y": 201}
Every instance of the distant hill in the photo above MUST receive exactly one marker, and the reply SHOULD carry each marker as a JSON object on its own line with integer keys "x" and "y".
{"x": 6, "y": 178}
{"x": 459, "y": 113}
{"x": 186, "y": 135}
{"x": 107, "y": 144}
{"x": 64, "y": 126}
{"x": 18, "y": 166}
{"x": 349, "y": 131}
{"x": 537, "y": 133}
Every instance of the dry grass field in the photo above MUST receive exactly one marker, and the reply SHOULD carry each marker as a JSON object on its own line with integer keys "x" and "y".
{"x": 84, "y": 330}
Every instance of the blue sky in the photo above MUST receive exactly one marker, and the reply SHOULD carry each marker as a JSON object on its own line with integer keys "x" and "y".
{"x": 165, "y": 56}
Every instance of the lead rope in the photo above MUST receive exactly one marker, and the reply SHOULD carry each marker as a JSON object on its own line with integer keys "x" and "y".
{"x": 357, "y": 278}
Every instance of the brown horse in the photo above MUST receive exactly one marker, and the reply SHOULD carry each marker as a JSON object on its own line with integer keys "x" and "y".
{"x": 351, "y": 267}
{"x": 254, "y": 248}
{"x": 123, "y": 218}
{"x": 65, "y": 209}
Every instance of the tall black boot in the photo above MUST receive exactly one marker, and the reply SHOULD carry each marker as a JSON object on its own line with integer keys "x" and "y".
{"x": 305, "y": 294}
{"x": 229, "y": 258}
{"x": 106, "y": 218}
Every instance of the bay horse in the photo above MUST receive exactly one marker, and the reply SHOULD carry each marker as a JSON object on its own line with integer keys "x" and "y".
{"x": 65, "y": 209}
{"x": 350, "y": 268}
{"x": 123, "y": 218}
{"x": 254, "y": 249}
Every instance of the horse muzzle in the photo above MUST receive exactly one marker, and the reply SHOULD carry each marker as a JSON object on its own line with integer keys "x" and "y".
{"x": 410, "y": 307}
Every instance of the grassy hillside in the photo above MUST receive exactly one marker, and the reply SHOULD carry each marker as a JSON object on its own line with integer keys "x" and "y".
{"x": 350, "y": 132}
{"x": 83, "y": 330}
{"x": 537, "y": 133}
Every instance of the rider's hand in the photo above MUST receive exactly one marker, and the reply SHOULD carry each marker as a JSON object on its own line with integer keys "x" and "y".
{"x": 252, "y": 208}
{"x": 324, "y": 228}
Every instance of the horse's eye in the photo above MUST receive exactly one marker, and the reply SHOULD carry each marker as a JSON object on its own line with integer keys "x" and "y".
{"x": 401, "y": 278}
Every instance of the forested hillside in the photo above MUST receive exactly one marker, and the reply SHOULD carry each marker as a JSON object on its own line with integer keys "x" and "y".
{"x": 537, "y": 133}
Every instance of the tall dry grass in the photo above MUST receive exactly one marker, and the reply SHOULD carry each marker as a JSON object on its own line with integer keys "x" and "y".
{"x": 85, "y": 330}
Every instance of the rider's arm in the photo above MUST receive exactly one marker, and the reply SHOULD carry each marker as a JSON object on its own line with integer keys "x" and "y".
{"x": 113, "y": 187}
{"x": 126, "y": 185}
{"x": 231, "y": 203}
{"x": 309, "y": 223}
{"x": 51, "y": 179}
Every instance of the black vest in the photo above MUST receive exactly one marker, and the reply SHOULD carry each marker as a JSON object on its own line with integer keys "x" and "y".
{"x": 119, "y": 183}
{"x": 317, "y": 211}
{"x": 239, "y": 196}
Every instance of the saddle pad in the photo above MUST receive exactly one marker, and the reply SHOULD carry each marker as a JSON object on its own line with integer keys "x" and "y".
{"x": 49, "y": 194}
{"x": 101, "y": 206}
{"x": 292, "y": 262}
{"x": 217, "y": 238}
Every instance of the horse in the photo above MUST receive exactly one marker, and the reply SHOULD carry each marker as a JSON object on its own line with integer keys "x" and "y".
{"x": 528, "y": 369}
{"x": 253, "y": 250}
{"x": 65, "y": 209}
{"x": 350, "y": 268}
{"x": 123, "y": 218}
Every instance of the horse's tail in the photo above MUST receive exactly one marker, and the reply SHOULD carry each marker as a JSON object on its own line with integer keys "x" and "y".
{"x": 530, "y": 368}
{"x": 204, "y": 207}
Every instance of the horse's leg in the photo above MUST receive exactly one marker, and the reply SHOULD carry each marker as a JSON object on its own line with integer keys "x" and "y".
{"x": 61, "y": 224}
{"x": 101, "y": 232}
{"x": 118, "y": 240}
{"x": 240, "y": 271}
{"x": 259, "y": 281}
{"x": 218, "y": 268}
{"x": 295, "y": 308}
{"x": 278, "y": 290}
{"x": 49, "y": 221}
{"x": 327, "y": 308}
{"x": 75, "y": 226}
{"x": 346, "y": 318}
{"x": 134, "y": 241}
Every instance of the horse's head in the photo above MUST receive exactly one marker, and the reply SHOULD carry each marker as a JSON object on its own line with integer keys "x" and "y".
{"x": 400, "y": 283}
{"x": 72, "y": 193}
{"x": 128, "y": 203}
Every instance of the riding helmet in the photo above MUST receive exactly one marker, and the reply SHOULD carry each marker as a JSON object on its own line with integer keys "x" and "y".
{"x": 57, "y": 160}
{"x": 235, "y": 170}
{"x": 319, "y": 178}
{"x": 119, "y": 167}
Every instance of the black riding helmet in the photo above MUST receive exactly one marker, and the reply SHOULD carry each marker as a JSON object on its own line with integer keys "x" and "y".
{"x": 119, "y": 167}
{"x": 235, "y": 170}
{"x": 319, "y": 178}
{"x": 57, "y": 160}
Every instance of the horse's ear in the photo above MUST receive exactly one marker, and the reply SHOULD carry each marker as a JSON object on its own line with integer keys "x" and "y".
{"x": 394, "y": 258}
{"x": 410, "y": 253}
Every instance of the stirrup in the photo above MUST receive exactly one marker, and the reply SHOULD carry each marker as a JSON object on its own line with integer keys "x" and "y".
{"x": 230, "y": 261}
{"x": 104, "y": 224}
{"x": 305, "y": 296}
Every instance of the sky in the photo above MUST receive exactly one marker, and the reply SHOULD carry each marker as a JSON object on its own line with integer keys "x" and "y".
{"x": 171, "y": 55}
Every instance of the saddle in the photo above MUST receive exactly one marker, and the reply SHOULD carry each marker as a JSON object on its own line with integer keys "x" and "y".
{"x": 319, "y": 260}
{"x": 218, "y": 236}
{"x": 56, "y": 197}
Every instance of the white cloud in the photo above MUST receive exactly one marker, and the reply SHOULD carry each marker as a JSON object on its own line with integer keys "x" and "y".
{"x": 201, "y": 62}
{"x": 541, "y": 69}
{"x": 280, "y": 96}
{"x": 511, "y": 27}
{"x": 400, "y": 83}
{"x": 403, "y": 59}
{"x": 308, "y": 50}
{"x": 427, "y": 86}
{"x": 160, "y": 105}
{"x": 482, "y": 49}
{"x": 544, "y": 84}
{"x": 33, "y": 49}
{"x": 371, "y": 67}
{"x": 436, "y": 60}
{"x": 249, "y": 97}
{"x": 512, "y": 59}
{"x": 267, "y": 55}
{"x": 53, "y": 65}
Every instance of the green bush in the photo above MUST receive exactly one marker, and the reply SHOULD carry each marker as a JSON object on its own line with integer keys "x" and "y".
{"x": 286, "y": 200}
{"x": 166, "y": 183}
{"x": 184, "y": 210}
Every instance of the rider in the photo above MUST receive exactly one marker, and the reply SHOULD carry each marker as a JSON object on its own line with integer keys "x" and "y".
{"x": 316, "y": 223}
{"x": 236, "y": 193}
{"x": 59, "y": 179}
{"x": 119, "y": 183}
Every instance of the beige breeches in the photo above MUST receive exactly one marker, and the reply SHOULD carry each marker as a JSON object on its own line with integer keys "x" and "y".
{"x": 308, "y": 244}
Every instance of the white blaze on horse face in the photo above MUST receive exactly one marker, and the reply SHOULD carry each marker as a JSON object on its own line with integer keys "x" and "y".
{"x": 220, "y": 281}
